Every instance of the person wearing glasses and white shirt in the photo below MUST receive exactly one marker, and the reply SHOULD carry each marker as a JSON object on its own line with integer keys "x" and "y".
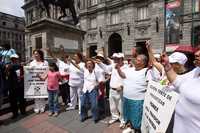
{"x": 187, "y": 118}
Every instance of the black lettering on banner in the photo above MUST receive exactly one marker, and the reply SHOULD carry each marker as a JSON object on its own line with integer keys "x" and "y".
{"x": 155, "y": 118}
{"x": 34, "y": 76}
{"x": 39, "y": 83}
{"x": 146, "y": 107}
{"x": 153, "y": 88}
{"x": 146, "y": 115}
{"x": 30, "y": 69}
{"x": 32, "y": 83}
{"x": 154, "y": 106}
{"x": 157, "y": 99}
{"x": 169, "y": 97}
{"x": 37, "y": 80}
{"x": 162, "y": 93}
{"x": 152, "y": 124}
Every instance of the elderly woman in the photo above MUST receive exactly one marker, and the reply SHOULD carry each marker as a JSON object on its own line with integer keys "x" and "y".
{"x": 187, "y": 118}
{"x": 133, "y": 92}
{"x": 38, "y": 62}
{"x": 92, "y": 78}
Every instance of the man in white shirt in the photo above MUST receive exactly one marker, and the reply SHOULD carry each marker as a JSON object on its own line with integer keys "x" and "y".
{"x": 115, "y": 97}
{"x": 134, "y": 91}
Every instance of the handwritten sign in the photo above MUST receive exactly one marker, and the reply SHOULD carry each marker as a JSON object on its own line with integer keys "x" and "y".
{"x": 159, "y": 106}
{"x": 34, "y": 87}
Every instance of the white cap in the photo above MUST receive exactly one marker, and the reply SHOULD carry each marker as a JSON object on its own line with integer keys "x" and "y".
{"x": 178, "y": 57}
{"x": 157, "y": 56}
{"x": 115, "y": 55}
{"x": 120, "y": 55}
{"x": 14, "y": 56}
{"x": 100, "y": 55}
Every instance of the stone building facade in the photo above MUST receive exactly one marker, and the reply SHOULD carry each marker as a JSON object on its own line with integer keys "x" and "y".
{"x": 118, "y": 25}
{"x": 12, "y": 32}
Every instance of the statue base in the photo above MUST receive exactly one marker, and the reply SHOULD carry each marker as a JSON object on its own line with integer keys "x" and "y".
{"x": 60, "y": 37}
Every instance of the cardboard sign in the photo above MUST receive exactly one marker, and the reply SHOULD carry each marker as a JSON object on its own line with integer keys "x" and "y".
{"x": 159, "y": 106}
{"x": 33, "y": 86}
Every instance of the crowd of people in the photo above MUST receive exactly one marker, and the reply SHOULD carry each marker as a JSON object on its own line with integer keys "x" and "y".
{"x": 83, "y": 83}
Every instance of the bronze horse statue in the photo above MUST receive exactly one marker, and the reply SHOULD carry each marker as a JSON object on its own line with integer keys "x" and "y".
{"x": 63, "y": 4}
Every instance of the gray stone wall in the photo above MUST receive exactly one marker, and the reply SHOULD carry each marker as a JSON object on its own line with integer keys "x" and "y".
{"x": 12, "y": 32}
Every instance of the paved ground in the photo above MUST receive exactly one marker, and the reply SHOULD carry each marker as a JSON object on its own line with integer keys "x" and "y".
{"x": 66, "y": 122}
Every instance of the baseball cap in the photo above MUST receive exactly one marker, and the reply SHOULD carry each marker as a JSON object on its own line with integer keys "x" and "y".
{"x": 121, "y": 55}
{"x": 115, "y": 55}
{"x": 14, "y": 56}
{"x": 100, "y": 55}
{"x": 178, "y": 57}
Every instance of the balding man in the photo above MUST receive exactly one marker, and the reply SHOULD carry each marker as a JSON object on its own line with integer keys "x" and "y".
{"x": 135, "y": 85}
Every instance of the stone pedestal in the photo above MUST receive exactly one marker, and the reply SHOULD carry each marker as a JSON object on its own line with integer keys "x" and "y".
{"x": 54, "y": 34}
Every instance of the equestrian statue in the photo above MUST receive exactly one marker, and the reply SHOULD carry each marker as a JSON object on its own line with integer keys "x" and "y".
{"x": 62, "y": 4}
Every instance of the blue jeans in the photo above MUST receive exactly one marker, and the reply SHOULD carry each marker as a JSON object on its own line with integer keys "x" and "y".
{"x": 87, "y": 99}
{"x": 53, "y": 101}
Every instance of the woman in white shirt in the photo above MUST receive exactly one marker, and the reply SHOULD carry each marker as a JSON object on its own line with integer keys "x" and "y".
{"x": 92, "y": 77}
{"x": 75, "y": 80}
{"x": 37, "y": 62}
{"x": 187, "y": 116}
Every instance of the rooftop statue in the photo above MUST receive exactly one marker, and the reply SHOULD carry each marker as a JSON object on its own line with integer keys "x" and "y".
{"x": 63, "y": 5}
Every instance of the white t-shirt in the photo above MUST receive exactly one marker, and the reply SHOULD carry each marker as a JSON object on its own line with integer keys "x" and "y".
{"x": 76, "y": 75}
{"x": 101, "y": 72}
{"x": 154, "y": 74}
{"x": 63, "y": 67}
{"x": 38, "y": 64}
{"x": 115, "y": 80}
{"x": 187, "y": 111}
{"x": 91, "y": 80}
{"x": 135, "y": 83}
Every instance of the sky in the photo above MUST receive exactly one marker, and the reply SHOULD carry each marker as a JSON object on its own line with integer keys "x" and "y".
{"x": 12, "y": 7}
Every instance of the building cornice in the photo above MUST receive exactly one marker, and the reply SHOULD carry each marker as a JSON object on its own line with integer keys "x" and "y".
{"x": 107, "y": 5}
{"x": 44, "y": 22}
{"x": 12, "y": 29}
{"x": 11, "y": 17}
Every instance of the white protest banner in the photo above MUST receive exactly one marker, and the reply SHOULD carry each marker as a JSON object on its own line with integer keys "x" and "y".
{"x": 159, "y": 106}
{"x": 33, "y": 86}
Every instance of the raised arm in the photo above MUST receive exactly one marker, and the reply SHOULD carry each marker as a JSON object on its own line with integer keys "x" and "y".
{"x": 73, "y": 63}
{"x": 152, "y": 59}
{"x": 121, "y": 74}
{"x": 171, "y": 74}
{"x": 42, "y": 78}
{"x": 106, "y": 68}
